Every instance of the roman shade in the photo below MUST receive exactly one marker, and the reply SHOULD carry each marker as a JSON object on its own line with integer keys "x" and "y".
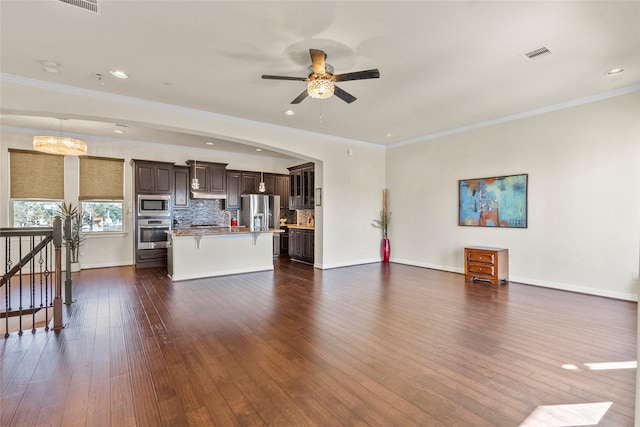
{"x": 101, "y": 178}
{"x": 36, "y": 175}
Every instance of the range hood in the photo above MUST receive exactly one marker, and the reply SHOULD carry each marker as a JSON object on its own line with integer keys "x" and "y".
{"x": 196, "y": 194}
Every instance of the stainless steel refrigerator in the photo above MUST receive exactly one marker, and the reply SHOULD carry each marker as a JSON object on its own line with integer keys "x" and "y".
{"x": 260, "y": 211}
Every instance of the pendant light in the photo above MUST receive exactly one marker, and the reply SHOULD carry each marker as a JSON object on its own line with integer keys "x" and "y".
{"x": 195, "y": 184}
{"x": 262, "y": 187}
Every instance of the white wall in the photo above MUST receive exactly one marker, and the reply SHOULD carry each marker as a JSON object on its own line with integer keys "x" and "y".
{"x": 584, "y": 197}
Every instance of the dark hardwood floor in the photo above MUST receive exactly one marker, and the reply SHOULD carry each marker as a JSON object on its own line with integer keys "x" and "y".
{"x": 367, "y": 345}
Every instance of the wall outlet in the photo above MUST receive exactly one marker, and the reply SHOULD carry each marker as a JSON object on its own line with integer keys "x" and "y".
{"x": 634, "y": 275}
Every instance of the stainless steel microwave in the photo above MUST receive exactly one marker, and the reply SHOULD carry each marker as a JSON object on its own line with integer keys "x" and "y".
{"x": 154, "y": 205}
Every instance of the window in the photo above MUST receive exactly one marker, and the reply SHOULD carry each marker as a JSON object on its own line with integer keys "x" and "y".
{"x": 37, "y": 187}
{"x": 34, "y": 213}
{"x": 101, "y": 194}
{"x": 102, "y": 216}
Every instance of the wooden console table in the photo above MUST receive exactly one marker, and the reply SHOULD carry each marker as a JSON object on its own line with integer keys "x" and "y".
{"x": 484, "y": 263}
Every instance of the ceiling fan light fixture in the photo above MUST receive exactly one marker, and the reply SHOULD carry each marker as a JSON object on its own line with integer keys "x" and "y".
{"x": 320, "y": 88}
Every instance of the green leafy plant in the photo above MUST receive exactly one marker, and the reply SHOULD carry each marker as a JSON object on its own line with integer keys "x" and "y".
{"x": 384, "y": 216}
{"x": 77, "y": 220}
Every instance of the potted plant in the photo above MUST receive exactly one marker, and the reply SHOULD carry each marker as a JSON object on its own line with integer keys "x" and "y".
{"x": 76, "y": 237}
{"x": 382, "y": 222}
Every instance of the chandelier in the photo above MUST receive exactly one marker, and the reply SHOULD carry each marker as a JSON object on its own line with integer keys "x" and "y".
{"x": 60, "y": 145}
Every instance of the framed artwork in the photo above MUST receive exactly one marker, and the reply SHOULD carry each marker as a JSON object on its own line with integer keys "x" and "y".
{"x": 500, "y": 201}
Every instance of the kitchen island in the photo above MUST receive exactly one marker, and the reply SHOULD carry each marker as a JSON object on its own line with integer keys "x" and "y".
{"x": 218, "y": 251}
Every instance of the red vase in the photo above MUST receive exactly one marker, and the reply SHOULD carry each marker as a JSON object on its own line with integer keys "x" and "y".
{"x": 386, "y": 250}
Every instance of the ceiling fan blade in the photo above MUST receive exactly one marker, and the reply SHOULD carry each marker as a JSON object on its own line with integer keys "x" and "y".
{"x": 345, "y": 96}
{"x": 317, "y": 60}
{"x": 299, "y": 79}
{"x": 300, "y": 97}
{"x": 358, "y": 75}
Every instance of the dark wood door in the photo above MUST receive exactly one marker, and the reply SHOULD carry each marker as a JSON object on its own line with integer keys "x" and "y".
{"x": 250, "y": 181}
{"x": 153, "y": 178}
{"x": 295, "y": 189}
{"x": 233, "y": 190}
{"x": 284, "y": 243}
{"x": 163, "y": 178}
{"x": 270, "y": 183}
{"x": 218, "y": 179}
{"x": 144, "y": 178}
{"x": 308, "y": 187}
{"x": 282, "y": 190}
{"x": 180, "y": 187}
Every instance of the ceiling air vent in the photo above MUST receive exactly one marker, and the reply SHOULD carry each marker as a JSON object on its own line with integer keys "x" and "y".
{"x": 537, "y": 53}
{"x": 90, "y": 5}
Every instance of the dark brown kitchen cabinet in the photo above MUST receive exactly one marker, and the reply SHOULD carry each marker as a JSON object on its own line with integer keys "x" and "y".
{"x": 243, "y": 182}
{"x": 295, "y": 189}
{"x": 302, "y": 186}
{"x": 151, "y": 258}
{"x": 212, "y": 178}
{"x": 301, "y": 244}
{"x": 153, "y": 177}
{"x": 234, "y": 189}
{"x": 282, "y": 189}
{"x": 181, "y": 187}
{"x": 269, "y": 180}
{"x": 284, "y": 242}
{"x": 250, "y": 182}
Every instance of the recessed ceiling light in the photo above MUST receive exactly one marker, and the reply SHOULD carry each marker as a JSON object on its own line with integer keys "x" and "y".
{"x": 389, "y": 134}
{"x": 119, "y": 74}
{"x": 615, "y": 71}
{"x": 289, "y": 113}
{"x": 209, "y": 143}
{"x": 50, "y": 67}
{"x": 258, "y": 149}
{"x": 118, "y": 131}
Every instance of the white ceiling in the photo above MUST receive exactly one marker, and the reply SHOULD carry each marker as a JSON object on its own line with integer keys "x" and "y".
{"x": 443, "y": 65}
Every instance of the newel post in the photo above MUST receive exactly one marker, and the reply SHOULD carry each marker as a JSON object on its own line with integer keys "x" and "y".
{"x": 57, "y": 299}
{"x": 67, "y": 238}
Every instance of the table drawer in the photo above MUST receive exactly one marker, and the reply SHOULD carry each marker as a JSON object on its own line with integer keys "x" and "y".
{"x": 487, "y": 269}
{"x": 485, "y": 257}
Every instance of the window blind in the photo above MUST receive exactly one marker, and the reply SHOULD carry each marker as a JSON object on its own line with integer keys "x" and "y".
{"x": 101, "y": 178}
{"x": 36, "y": 175}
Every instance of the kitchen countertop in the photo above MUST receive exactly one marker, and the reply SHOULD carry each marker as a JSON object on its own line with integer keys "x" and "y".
{"x": 200, "y": 231}
{"x": 300, "y": 227}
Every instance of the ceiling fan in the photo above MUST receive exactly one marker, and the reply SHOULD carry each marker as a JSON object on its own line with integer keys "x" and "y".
{"x": 321, "y": 80}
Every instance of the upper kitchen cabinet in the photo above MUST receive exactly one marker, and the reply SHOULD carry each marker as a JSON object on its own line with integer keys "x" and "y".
{"x": 269, "y": 180}
{"x": 282, "y": 190}
{"x": 234, "y": 189}
{"x": 244, "y": 182}
{"x": 301, "y": 186}
{"x": 181, "y": 186}
{"x": 153, "y": 177}
{"x": 212, "y": 178}
{"x": 250, "y": 182}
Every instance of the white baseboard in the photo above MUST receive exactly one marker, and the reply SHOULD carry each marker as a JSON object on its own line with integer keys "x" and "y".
{"x": 534, "y": 282}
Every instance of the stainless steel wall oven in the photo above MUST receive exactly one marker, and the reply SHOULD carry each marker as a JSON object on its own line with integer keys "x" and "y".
{"x": 152, "y": 233}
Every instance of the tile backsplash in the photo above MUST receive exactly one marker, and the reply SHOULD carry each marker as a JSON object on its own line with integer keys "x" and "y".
{"x": 211, "y": 211}
{"x": 202, "y": 212}
{"x": 303, "y": 215}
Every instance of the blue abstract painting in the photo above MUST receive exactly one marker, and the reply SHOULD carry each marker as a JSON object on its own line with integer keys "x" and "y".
{"x": 493, "y": 202}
